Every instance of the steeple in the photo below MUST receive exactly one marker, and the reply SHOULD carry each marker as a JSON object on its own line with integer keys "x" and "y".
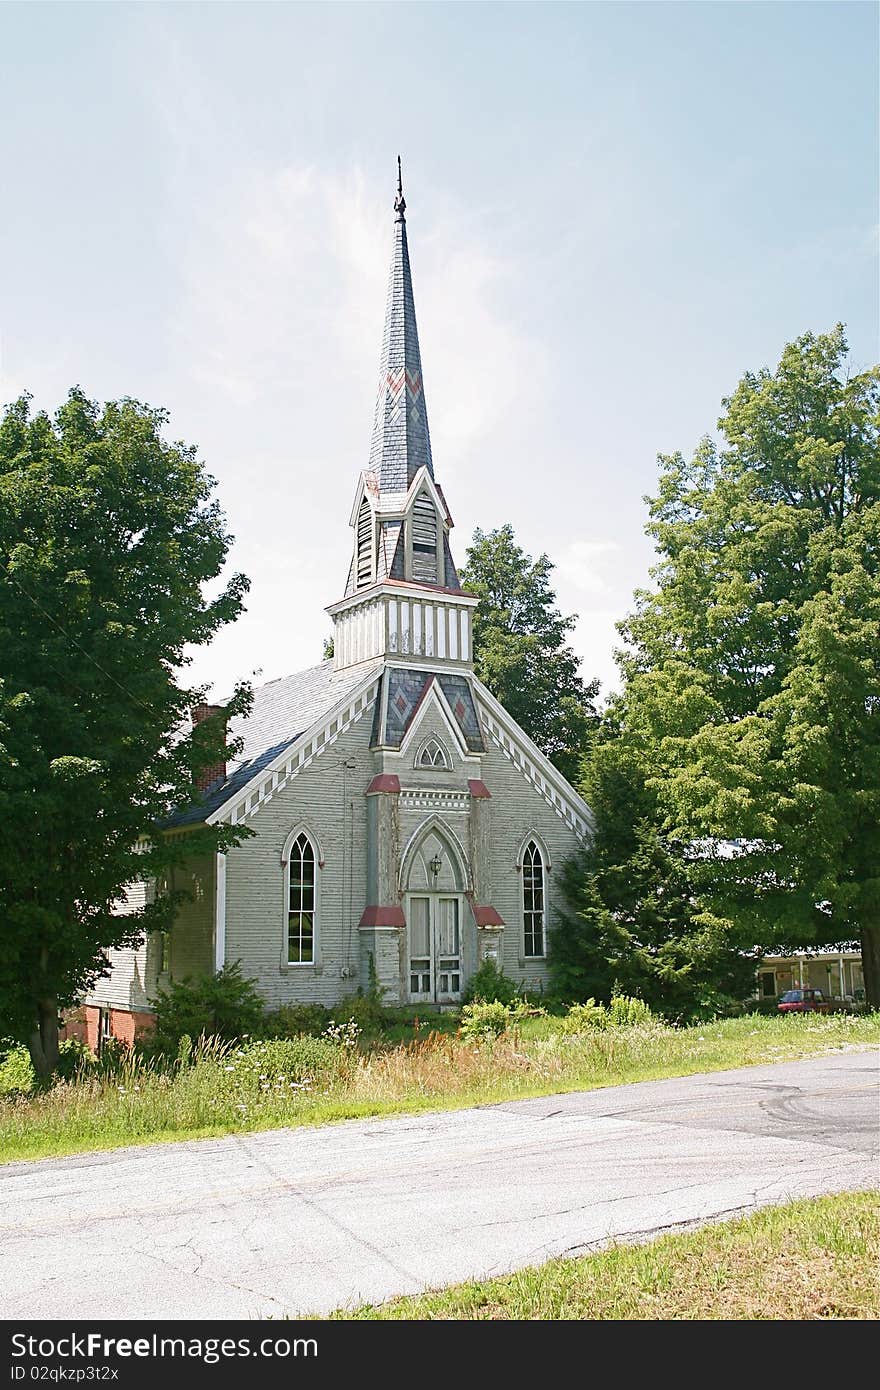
{"x": 403, "y": 597}
{"x": 401, "y": 444}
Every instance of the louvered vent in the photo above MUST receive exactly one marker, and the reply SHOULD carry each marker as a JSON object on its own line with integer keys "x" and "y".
{"x": 424, "y": 538}
{"x": 364, "y": 546}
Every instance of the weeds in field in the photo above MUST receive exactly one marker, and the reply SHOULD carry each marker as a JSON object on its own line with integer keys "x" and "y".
{"x": 214, "y": 1087}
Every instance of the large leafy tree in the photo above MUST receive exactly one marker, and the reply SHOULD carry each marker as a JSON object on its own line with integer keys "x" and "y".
{"x": 753, "y": 667}
{"x": 631, "y": 919}
{"x": 108, "y": 534}
{"x": 520, "y": 647}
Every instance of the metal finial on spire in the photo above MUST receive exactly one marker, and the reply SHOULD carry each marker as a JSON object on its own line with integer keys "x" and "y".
{"x": 399, "y": 201}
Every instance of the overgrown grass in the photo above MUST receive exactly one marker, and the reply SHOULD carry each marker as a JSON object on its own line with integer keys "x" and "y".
{"x": 220, "y": 1090}
{"x": 810, "y": 1259}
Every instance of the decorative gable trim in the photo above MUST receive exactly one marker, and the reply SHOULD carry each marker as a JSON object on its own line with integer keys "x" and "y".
{"x": 535, "y": 768}
{"x": 433, "y": 692}
{"x": 423, "y": 482}
{"x": 368, "y": 487}
{"x": 297, "y": 757}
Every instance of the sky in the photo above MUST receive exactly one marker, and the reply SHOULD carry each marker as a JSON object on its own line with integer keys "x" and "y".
{"x": 614, "y": 211}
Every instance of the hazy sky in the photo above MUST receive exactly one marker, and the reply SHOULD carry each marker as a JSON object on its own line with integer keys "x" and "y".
{"x": 614, "y": 210}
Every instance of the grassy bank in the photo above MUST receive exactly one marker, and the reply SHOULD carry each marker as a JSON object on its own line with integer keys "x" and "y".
{"x": 807, "y": 1260}
{"x": 311, "y": 1081}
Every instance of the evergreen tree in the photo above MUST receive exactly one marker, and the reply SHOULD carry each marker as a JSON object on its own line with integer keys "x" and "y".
{"x": 753, "y": 669}
{"x": 520, "y": 649}
{"x": 631, "y": 920}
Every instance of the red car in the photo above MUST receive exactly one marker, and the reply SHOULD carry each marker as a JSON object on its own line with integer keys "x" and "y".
{"x": 802, "y": 1001}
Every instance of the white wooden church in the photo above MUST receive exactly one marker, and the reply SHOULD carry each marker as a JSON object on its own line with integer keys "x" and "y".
{"x": 404, "y": 824}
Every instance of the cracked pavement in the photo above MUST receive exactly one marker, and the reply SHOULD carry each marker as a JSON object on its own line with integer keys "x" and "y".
{"x": 306, "y": 1220}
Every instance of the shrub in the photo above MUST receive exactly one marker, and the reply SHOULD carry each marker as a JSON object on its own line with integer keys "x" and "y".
{"x": 365, "y": 1008}
{"x": 292, "y": 1020}
{"x": 581, "y": 1018}
{"x": 16, "y": 1072}
{"x": 624, "y": 1012}
{"x": 224, "y": 1006}
{"x": 292, "y": 1059}
{"x": 485, "y": 1019}
{"x": 490, "y": 984}
{"x": 73, "y": 1057}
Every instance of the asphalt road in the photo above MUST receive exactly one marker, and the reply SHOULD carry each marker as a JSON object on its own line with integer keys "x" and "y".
{"x": 297, "y": 1221}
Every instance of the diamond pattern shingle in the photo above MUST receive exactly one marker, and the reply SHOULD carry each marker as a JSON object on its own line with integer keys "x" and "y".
{"x": 401, "y": 443}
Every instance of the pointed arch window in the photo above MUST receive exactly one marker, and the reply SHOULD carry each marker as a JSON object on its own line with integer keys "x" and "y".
{"x": 302, "y": 901}
{"x": 424, "y": 539}
{"x": 364, "y": 566}
{"x": 534, "y": 905}
{"x": 432, "y": 754}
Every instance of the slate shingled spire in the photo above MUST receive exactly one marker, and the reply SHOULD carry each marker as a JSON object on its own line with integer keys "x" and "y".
{"x": 401, "y": 444}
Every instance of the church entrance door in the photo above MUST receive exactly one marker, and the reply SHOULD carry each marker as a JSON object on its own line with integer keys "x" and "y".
{"x": 433, "y": 923}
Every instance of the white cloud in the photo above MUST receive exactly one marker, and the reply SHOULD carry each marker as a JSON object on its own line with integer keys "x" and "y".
{"x": 595, "y": 636}
{"x": 582, "y": 564}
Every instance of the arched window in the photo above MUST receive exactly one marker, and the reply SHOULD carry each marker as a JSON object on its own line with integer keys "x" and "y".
{"x": 533, "y": 900}
{"x": 432, "y": 754}
{"x": 364, "y": 576}
{"x": 302, "y": 885}
{"x": 424, "y": 539}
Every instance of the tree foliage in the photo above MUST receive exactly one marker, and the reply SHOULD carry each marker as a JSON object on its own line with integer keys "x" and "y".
{"x": 108, "y": 535}
{"x": 520, "y": 649}
{"x": 630, "y": 920}
{"x": 753, "y": 667}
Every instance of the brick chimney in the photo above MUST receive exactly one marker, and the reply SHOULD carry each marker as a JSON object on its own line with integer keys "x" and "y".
{"x": 216, "y": 772}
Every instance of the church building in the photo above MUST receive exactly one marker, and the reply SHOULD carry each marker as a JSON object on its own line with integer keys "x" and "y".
{"x": 405, "y": 828}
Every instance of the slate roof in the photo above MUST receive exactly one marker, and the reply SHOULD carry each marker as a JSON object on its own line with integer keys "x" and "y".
{"x": 401, "y": 443}
{"x": 283, "y": 710}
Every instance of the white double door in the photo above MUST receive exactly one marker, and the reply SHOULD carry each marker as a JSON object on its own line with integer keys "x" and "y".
{"x": 434, "y": 941}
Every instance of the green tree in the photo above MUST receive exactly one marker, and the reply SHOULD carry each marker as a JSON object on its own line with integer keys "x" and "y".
{"x": 631, "y": 919}
{"x": 520, "y": 649}
{"x": 107, "y": 536}
{"x": 753, "y": 668}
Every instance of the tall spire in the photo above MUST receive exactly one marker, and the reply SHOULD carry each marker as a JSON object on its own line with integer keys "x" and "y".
{"x": 402, "y": 597}
{"x": 401, "y": 444}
